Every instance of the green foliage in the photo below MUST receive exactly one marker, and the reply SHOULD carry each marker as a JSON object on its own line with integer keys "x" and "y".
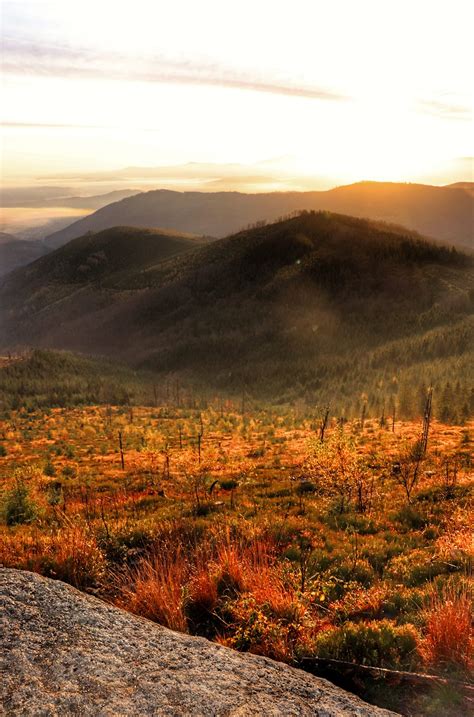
{"x": 18, "y": 506}
{"x": 379, "y": 644}
{"x": 49, "y": 469}
{"x": 58, "y": 379}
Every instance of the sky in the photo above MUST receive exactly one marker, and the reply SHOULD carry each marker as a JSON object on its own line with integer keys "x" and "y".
{"x": 261, "y": 94}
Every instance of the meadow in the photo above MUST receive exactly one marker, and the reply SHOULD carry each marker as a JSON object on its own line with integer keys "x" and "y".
{"x": 279, "y": 531}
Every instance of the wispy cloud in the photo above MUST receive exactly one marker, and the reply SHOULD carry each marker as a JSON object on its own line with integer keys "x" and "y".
{"x": 445, "y": 109}
{"x": 27, "y": 57}
{"x": 47, "y": 125}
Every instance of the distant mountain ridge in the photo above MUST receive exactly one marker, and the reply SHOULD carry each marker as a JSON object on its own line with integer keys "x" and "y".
{"x": 442, "y": 213}
{"x": 24, "y": 197}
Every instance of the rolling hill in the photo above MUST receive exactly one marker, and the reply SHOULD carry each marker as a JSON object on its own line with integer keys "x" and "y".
{"x": 307, "y": 302}
{"x": 444, "y": 213}
{"x": 466, "y": 186}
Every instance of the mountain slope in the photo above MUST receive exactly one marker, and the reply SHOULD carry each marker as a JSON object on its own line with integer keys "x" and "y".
{"x": 292, "y": 302}
{"x": 6, "y": 238}
{"x": 15, "y": 252}
{"x": 466, "y": 186}
{"x": 101, "y": 256}
{"x": 441, "y": 212}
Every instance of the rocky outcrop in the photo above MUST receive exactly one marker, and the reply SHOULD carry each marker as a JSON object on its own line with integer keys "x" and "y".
{"x": 66, "y": 653}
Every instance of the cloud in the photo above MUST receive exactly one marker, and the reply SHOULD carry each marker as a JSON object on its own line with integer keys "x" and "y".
{"x": 445, "y": 109}
{"x": 47, "y": 125}
{"x": 190, "y": 170}
{"x": 33, "y": 58}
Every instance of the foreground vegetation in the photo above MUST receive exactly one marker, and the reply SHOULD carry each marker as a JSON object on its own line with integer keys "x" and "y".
{"x": 275, "y": 531}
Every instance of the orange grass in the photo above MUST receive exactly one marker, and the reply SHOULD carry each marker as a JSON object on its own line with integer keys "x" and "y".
{"x": 449, "y": 640}
{"x": 154, "y": 589}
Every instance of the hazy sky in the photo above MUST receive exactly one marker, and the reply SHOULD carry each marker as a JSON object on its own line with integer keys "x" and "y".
{"x": 315, "y": 91}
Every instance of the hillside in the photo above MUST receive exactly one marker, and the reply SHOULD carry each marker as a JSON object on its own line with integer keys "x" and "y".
{"x": 309, "y": 302}
{"x": 15, "y": 252}
{"x": 6, "y": 238}
{"x": 440, "y": 212}
{"x": 57, "y": 378}
{"x": 102, "y": 256}
{"x": 466, "y": 186}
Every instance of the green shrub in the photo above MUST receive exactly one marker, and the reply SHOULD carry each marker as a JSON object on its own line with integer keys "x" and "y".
{"x": 3, "y": 451}
{"x": 380, "y": 644}
{"x": 417, "y": 567}
{"x": 19, "y": 508}
{"x": 411, "y": 518}
{"x": 49, "y": 469}
{"x": 229, "y": 484}
{"x": 348, "y": 571}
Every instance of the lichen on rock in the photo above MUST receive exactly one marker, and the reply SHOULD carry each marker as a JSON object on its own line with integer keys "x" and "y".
{"x": 67, "y": 653}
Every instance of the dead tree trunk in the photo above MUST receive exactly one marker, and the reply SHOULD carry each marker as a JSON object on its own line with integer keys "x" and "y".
{"x": 324, "y": 424}
{"x": 426, "y": 421}
{"x": 122, "y": 459}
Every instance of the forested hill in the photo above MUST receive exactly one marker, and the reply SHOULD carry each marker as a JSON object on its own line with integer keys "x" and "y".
{"x": 312, "y": 302}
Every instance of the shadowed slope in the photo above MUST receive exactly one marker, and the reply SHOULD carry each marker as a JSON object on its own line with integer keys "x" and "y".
{"x": 268, "y": 306}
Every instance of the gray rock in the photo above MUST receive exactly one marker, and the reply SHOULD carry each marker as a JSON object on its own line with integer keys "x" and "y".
{"x": 66, "y": 653}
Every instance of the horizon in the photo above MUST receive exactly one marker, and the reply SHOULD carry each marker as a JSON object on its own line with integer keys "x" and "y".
{"x": 91, "y": 88}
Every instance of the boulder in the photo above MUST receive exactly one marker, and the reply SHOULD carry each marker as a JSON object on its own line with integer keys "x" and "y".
{"x": 67, "y": 653}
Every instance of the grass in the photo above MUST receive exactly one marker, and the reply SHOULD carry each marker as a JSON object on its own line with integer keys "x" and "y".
{"x": 449, "y": 640}
{"x": 297, "y": 550}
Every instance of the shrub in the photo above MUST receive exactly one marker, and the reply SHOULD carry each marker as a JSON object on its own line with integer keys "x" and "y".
{"x": 68, "y": 472}
{"x": 49, "y": 469}
{"x": 19, "y": 508}
{"x": 278, "y": 628}
{"x": 417, "y": 567}
{"x": 3, "y": 451}
{"x": 379, "y": 644}
{"x": 410, "y": 518}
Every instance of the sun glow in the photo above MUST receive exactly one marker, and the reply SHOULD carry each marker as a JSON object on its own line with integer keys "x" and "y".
{"x": 335, "y": 91}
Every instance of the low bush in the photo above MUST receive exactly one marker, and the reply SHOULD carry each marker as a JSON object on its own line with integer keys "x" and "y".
{"x": 380, "y": 644}
{"x": 18, "y": 506}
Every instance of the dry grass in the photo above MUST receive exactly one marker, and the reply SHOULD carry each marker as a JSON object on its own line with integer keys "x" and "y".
{"x": 154, "y": 589}
{"x": 234, "y": 572}
{"x": 71, "y": 554}
{"x": 449, "y": 639}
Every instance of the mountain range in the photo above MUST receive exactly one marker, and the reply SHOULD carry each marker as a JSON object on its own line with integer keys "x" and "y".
{"x": 44, "y": 197}
{"x": 443, "y": 213}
